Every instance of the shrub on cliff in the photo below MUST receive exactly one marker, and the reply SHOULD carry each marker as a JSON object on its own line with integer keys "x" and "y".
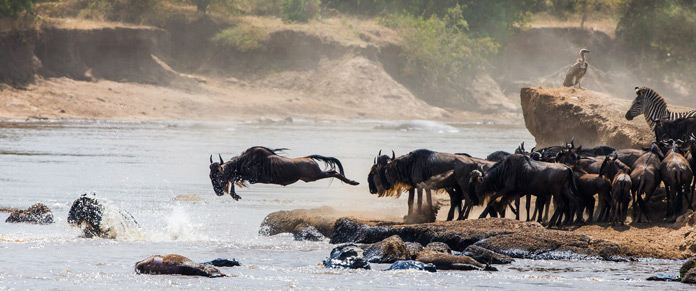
{"x": 243, "y": 37}
{"x": 12, "y": 8}
{"x": 660, "y": 36}
{"x": 300, "y": 10}
{"x": 439, "y": 50}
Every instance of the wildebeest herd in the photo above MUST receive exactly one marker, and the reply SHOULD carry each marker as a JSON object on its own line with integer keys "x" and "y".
{"x": 568, "y": 180}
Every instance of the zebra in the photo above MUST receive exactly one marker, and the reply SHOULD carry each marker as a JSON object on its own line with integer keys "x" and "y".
{"x": 654, "y": 107}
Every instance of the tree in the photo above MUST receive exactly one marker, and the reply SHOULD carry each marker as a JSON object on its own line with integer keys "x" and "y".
{"x": 12, "y": 8}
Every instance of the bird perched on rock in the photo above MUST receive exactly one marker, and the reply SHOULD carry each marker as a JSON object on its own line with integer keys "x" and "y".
{"x": 576, "y": 71}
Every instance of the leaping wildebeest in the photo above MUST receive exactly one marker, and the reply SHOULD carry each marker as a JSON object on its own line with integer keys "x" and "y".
{"x": 263, "y": 165}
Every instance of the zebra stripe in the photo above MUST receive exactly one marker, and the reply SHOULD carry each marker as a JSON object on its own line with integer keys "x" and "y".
{"x": 653, "y": 107}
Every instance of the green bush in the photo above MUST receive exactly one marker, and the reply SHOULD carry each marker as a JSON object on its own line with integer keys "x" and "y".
{"x": 661, "y": 38}
{"x": 243, "y": 37}
{"x": 439, "y": 50}
{"x": 133, "y": 11}
{"x": 300, "y": 10}
{"x": 12, "y": 8}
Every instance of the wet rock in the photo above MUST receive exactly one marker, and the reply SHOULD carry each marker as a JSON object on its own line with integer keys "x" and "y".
{"x": 549, "y": 244}
{"x": 413, "y": 249}
{"x": 175, "y": 265}
{"x": 451, "y": 262}
{"x": 307, "y": 233}
{"x": 37, "y": 213}
{"x": 348, "y": 230}
{"x": 664, "y": 277}
{"x": 486, "y": 256}
{"x": 348, "y": 256}
{"x": 438, "y": 247}
{"x": 412, "y": 265}
{"x": 322, "y": 219}
{"x": 687, "y": 266}
{"x": 219, "y": 262}
{"x": 689, "y": 277}
{"x": 389, "y": 250}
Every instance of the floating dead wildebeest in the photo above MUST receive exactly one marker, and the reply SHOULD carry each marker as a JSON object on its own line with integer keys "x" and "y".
{"x": 263, "y": 165}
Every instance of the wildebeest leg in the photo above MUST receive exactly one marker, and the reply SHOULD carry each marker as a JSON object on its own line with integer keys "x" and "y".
{"x": 411, "y": 195}
{"x": 528, "y": 203}
{"x": 455, "y": 203}
{"x": 590, "y": 204}
{"x": 334, "y": 174}
{"x": 420, "y": 199}
{"x": 517, "y": 205}
{"x": 548, "y": 207}
{"x": 558, "y": 206}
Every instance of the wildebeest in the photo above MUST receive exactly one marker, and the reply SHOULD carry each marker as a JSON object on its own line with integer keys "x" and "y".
{"x": 645, "y": 178}
{"x": 676, "y": 174}
{"x": 674, "y": 129}
{"x": 263, "y": 165}
{"x": 621, "y": 196}
{"x": 519, "y": 174}
{"x": 89, "y": 213}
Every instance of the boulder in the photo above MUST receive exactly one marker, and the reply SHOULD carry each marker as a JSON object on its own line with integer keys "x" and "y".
{"x": 348, "y": 256}
{"x": 555, "y": 115}
{"x": 413, "y": 249}
{"x": 437, "y": 247}
{"x": 412, "y": 265}
{"x": 37, "y": 213}
{"x": 219, "y": 262}
{"x": 689, "y": 277}
{"x": 664, "y": 277}
{"x": 389, "y": 250}
{"x": 175, "y": 265}
{"x": 451, "y": 262}
{"x": 322, "y": 219}
{"x": 307, "y": 233}
{"x": 486, "y": 256}
{"x": 687, "y": 266}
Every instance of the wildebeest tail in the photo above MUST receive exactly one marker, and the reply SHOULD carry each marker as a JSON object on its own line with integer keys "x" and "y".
{"x": 330, "y": 161}
{"x": 573, "y": 186}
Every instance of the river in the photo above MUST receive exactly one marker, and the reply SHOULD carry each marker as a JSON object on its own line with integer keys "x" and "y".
{"x": 142, "y": 166}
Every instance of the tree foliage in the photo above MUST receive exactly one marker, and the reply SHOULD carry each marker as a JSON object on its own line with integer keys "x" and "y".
{"x": 660, "y": 35}
{"x": 12, "y": 8}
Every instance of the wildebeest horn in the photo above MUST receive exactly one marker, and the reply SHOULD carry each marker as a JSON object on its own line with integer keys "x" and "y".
{"x": 211, "y": 159}
{"x": 374, "y": 161}
{"x": 393, "y": 155}
{"x": 380, "y": 153}
{"x": 221, "y": 160}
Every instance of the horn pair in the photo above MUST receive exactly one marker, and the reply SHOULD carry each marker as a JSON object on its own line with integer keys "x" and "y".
{"x": 220, "y": 156}
{"x": 380, "y": 153}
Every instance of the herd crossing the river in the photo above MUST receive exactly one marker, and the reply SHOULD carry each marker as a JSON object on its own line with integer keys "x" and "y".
{"x": 564, "y": 179}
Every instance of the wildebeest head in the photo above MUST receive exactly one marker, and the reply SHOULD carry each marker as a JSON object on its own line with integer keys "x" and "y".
{"x": 376, "y": 179}
{"x": 217, "y": 177}
{"x": 86, "y": 210}
{"x": 568, "y": 156}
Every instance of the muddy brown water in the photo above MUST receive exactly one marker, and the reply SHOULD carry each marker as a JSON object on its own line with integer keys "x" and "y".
{"x": 142, "y": 167}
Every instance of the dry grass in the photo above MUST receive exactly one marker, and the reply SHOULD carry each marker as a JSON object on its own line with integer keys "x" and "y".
{"x": 601, "y": 23}
{"x": 346, "y": 30}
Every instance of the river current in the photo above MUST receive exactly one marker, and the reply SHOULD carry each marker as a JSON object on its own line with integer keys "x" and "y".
{"x": 141, "y": 167}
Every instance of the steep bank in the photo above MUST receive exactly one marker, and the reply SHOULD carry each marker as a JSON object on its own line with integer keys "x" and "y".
{"x": 555, "y": 115}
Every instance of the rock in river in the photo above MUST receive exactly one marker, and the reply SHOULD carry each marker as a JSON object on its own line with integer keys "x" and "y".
{"x": 412, "y": 265}
{"x": 37, "y": 213}
{"x": 348, "y": 256}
